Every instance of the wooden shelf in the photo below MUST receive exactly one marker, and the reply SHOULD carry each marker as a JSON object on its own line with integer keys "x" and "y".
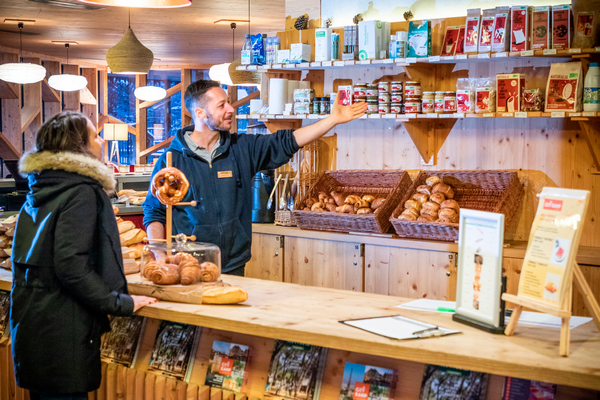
{"x": 425, "y": 60}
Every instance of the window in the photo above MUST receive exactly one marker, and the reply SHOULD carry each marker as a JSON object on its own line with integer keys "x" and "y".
{"x": 121, "y": 105}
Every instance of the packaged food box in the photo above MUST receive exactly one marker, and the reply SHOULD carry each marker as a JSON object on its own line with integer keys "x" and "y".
{"x": 472, "y": 30}
{"x": 283, "y": 56}
{"x": 345, "y": 96}
{"x": 561, "y": 26}
{"x": 299, "y": 52}
{"x": 520, "y": 31}
{"x": 486, "y": 31}
{"x": 460, "y": 42}
{"x": 508, "y": 89}
{"x": 373, "y": 37}
{"x": 565, "y": 87}
{"x": 450, "y": 41}
{"x": 540, "y": 28}
{"x": 419, "y": 39}
{"x": 501, "y": 28}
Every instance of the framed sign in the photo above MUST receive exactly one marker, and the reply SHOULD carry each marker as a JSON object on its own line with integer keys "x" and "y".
{"x": 479, "y": 285}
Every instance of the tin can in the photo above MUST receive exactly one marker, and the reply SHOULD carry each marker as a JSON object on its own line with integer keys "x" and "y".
{"x": 396, "y": 86}
{"x": 384, "y": 97}
{"x": 384, "y": 87}
{"x": 450, "y": 102}
{"x": 412, "y": 89}
{"x": 439, "y": 102}
{"x": 384, "y": 108}
{"x": 396, "y": 97}
{"x": 396, "y": 108}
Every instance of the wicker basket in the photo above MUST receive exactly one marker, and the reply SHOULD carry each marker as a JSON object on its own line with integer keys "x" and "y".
{"x": 493, "y": 191}
{"x": 389, "y": 184}
{"x": 284, "y": 218}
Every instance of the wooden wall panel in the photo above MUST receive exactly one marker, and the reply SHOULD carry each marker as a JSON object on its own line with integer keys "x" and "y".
{"x": 91, "y": 110}
{"x": 323, "y": 263}
{"x": 11, "y": 110}
{"x": 141, "y": 118}
{"x": 32, "y": 100}
{"x": 267, "y": 262}
{"x": 52, "y": 108}
{"x": 71, "y": 99}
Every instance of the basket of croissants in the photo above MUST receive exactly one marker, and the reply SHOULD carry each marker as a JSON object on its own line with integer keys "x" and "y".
{"x": 431, "y": 208}
{"x": 352, "y": 201}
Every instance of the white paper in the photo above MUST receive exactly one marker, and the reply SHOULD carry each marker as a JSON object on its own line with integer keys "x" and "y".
{"x": 399, "y": 327}
{"x": 278, "y": 89}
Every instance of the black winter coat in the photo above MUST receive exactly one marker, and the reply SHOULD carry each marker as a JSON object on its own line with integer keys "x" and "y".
{"x": 67, "y": 273}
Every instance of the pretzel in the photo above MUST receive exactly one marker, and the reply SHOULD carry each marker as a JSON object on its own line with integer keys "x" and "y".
{"x": 170, "y": 186}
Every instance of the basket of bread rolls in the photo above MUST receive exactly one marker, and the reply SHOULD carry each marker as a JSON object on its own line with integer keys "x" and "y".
{"x": 431, "y": 208}
{"x": 7, "y": 231}
{"x": 352, "y": 201}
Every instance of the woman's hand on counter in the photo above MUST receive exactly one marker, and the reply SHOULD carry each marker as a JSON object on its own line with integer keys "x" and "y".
{"x": 141, "y": 301}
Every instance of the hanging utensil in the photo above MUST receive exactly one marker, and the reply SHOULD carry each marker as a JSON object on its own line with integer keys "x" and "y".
{"x": 270, "y": 202}
{"x": 282, "y": 202}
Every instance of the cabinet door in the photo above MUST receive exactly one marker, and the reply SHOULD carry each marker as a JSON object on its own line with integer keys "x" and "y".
{"x": 323, "y": 263}
{"x": 267, "y": 258}
{"x": 410, "y": 273}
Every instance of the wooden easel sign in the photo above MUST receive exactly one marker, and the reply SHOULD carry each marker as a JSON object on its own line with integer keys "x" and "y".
{"x": 546, "y": 278}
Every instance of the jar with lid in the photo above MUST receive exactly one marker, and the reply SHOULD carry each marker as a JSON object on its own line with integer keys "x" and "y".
{"x": 439, "y": 102}
{"x": 412, "y": 89}
{"x": 360, "y": 89}
{"x": 396, "y": 97}
{"x": 412, "y": 105}
{"x": 384, "y": 97}
{"x": 396, "y": 108}
{"x": 428, "y": 101}
{"x": 396, "y": 86}
{"x": 449, "y": 102}
{"x": 372, "y": 90}
{"x": 372, "y": 106}
{"x": 324, "y": 110}
{"x": 316, "y": 105}
{"x": 384, "y": 108}
{"x": 384, "y": 87}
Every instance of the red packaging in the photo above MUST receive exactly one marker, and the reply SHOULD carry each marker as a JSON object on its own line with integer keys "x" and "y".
{"x": 508, "y": 89}
{"x": 486, "y": 33}
{"x": 460, "y": 42}
{"x": 519, "y": 38}
{"x": 501, "y": 29}
{"x": 463, "y": 100}
{"x": 540, "y": 28}
{"x": 472, "y": 30}
{"x": 450, "y": 41}
{"x": 345, "y": 96}
{"x": 561, "y": 27}
{"x": 564, "y": 87}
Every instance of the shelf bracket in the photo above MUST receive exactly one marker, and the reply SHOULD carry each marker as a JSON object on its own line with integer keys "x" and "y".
{"x": 592, "y": 137}
{"x": 429, "y": 136}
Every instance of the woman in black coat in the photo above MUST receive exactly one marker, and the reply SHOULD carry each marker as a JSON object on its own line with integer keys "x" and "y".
{"x": 67, "y": 263}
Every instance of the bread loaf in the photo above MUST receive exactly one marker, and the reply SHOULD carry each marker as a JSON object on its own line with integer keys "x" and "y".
{"x": 132, "y": 237}
{"x": 420, "y": 197}
{"x": 224, "y": 295}
{"x": 331, "y": 207}
{"x": 347, "y": 209}
{"x": 452, "y": 204}
{"x": 437, "y": 198}
{"x": 378, "y": 202}
{"x": 432, "y": 181}
{"x": 125, "y": 226}
{"x": 368, "y": 198}
{"x": 412, "y": 204}
{"x": 411, "y": 211}
{"x": 430, "y": 208}
{"x": 424, "y": 189}
{"x": 449, "y": 214}
{"x": 366, "y": 210}
{"x": 135, "y": 251}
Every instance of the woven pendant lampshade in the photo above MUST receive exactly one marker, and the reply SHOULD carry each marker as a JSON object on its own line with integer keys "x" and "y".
{"x": 228, "y": 74}
{"x": 129, "y": 56}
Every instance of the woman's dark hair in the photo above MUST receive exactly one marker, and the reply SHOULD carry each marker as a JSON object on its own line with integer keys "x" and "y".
{"x": 194, "y": 94}
{"x": 478, "y": 259}
{"x": 66, "y": 131}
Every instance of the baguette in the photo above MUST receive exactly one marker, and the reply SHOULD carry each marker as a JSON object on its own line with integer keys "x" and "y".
{"x": 132, "y": 237}
{"x": 224, "y": 295}
{"x": 125, "y": 226}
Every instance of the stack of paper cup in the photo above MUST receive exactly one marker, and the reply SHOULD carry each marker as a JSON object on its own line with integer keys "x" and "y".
{"x": 278, "y": 89}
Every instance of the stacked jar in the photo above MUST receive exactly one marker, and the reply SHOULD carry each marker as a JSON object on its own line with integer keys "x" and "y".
{"x": 428, "y": 103}
{"x": 396, "y": 98}
{"x": 412, "y": 97}
{"x": 316, "y": 105}
{"x": 360, "y": 92}
{"x": 384, "y": 97}
{"x": 372, "y": 99}
{"x": 449, "y": 102}
{"x": 439, "y": 102}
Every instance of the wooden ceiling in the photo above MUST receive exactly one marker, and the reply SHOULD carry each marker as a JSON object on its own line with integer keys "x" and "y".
{"x": 184, "y": 36}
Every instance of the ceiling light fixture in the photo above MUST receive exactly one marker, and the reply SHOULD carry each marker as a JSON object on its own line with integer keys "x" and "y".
{"x": 70, "y": 42}
{"x": 23, "y": 21}
{"x": 150, "y": 93}
{"x": 22, "y": 73}
{"x": 129, "y": 56}
{"x": 140, "y": 3}
{"x": 67, "y": 82}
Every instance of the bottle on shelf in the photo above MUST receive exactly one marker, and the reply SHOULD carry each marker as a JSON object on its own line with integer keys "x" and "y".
{"x": 591, "y": 88}
{"x": 247, "y": 51}
{"x": 392, "y": 51}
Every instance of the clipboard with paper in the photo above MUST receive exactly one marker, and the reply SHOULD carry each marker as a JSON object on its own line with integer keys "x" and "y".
{"x": 399, "y": 327}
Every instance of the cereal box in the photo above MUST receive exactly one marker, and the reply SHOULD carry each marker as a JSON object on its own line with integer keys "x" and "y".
{"x": 561, "y": 27}
{"x": 508, "y": 89}
{"x": 540, "y": 27}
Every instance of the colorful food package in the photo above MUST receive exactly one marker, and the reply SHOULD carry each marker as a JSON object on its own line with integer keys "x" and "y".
{"x": 561, "y": 27}
{"x": 450, "y": 41}
{"x": 586, "y": 26}
{"x": 485, "y": 95}
{"x": 465, "y": 95}
{"x": 509, "y": 88}
{"x": 520, "y": 20}
{"x": 345, "y": 95}
{"x": 486, "y": 31}
{"x": 533, "y": 99}
{"x": 460, "y": 42}
{"x": 564, "y": 89}
{"x": 472, "y": 30}
{"x": 501, "y": 27}
{"x": 540, "y": 28}
{"x": 419, "y": 39}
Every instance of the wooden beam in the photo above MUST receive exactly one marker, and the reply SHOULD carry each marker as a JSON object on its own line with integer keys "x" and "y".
{"x": 170, "y": 92}
{"x": 8, "y": 90}
{"x": 49, "y": 95}
{"x": 86, "y": 97}
{"x": 114, "y": 120}
{"x": 45, "y": 57}
{"x": 592, "y": 138}
{"x": 186, "y": 80}
{"x": 246, "y": 100}
{"x": 141, "y": 118}
{"x": 28, "y": 114}
{"x": 11, "y": 110}
{"x": 7, "y": 150}
{"x": 51, "y": 108}
{"x": 165, "y": 143}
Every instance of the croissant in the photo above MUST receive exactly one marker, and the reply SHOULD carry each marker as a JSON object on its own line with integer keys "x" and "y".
{"x": 346, "y": 208}
{"x": 316, "y": 206}
{"x": 180, "y": 257}
{"x": 352, "y": 199}
{"x": 191, "y": 273}
{"x": 432, "y": 181}
{"x": 378, "y": 202}
{"x": 337, "y": 196}
{"x": 424, "y": 189}
{"x": 209, "y": 272}
{"x": 311, "y": 201}
{"x": 361, "y": 204}
{"x": 322, "y": 196}
{"x": 445, "y": 189}
{"x": 368, "y": 198}
{"x": 365, "y": 210}
{"x": 166, "y": 274}
{"x": 331, "y": 207}
{"x": 149, "y": 268}
{"x": 437, "y": 198}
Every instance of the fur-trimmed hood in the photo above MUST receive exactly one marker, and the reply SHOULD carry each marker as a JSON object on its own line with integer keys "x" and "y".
{"x": 36, "y": 162}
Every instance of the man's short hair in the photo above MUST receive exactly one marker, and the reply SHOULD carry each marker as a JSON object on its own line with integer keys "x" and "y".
{"x": 195, "y": 93}
{"x": 478, "y": 259}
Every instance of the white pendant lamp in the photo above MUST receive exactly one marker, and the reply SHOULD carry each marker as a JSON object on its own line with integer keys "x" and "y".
{"x": 67, "y": 82}
{"x": 150, "y": 93}
{"x": 140, "y": 3}
{"x": 22, "y": 73}
{"x": 220, "y": 72}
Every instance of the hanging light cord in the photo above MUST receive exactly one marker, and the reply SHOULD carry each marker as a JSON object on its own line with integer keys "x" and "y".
{"x": 129, "y": 18}
{"x": 248, "y": 17}
{"x": 67, "y": 47}
{"x": 20, "y": 25}
{"x": 233, "y": 26}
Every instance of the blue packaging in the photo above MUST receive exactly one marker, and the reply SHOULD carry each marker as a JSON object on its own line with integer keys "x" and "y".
{"x": 258, "y": 50}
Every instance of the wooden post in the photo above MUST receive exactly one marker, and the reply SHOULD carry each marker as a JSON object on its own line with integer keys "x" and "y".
{"x": 11, "y": 109}
{"x": 232, "y": 97}
{"x": 186, "y": 80}
{"x": 52, "y": 98}
{"x": 31, "y": 113}
{"x": 169, "y": 212}
{"x": 71, "y": 99}
{"x": 141, "y": 117}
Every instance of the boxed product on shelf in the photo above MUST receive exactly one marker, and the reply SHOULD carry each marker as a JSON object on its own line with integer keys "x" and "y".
{"x": 561, "y": 27}
{"x": 373, "y": 38}
{"x": 450, "y": 41}
{"x": 520, "y": 28}
{"x": 501, "y": 28}
{"x": 508, "y": 91}
{"x": 540, "y": 28}
{"x": 486, "y": 31}
{"x": 419, "y": 39}
{"x": 564, "y": 89}
{"x": 533, "y": 100}
{"x": 299, "y": 52}
{"x": 472, "y": 30}
{"x": 460, "y": 42}
{"x": 465, "y": 95}
{"x": 283, "y": 56}
{"x": 345, "y": 95}
{"x": 586, "y": 24}
{"x": 387, "y": 187}
{"x": 493, "y": 191}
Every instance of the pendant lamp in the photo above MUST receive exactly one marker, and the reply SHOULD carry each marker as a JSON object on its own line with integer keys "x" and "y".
{"x": 22, "y": 73}
{"x": 140, "y": 3}
{"x": 150, "y": 93}
{"x": 129, "y": 56}
{"x": 67, "y": 82}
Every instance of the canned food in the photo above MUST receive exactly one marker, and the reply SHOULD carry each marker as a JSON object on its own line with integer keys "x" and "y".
{"x": 450, "y": 102}
{"x": 384, "y": 87}
{"x": 396, "y": 97}
{"x": 372, "y": 107}
{"x": 439, "y": 102}
{"x": 384, "y": 108}
{"x": 396, "y": 86}
{"x": 396, "y": 108}
{"x": 384, "y": 97}
{"x": 412, "y": 108}
{"x": 412, "y": 89}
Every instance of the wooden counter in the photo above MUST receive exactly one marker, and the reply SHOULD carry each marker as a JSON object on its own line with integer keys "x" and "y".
{"x": 310, "y": 315}
{"x": 586, "y": 255}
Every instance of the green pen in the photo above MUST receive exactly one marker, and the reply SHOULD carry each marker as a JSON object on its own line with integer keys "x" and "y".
{"x": 446, "y": 309}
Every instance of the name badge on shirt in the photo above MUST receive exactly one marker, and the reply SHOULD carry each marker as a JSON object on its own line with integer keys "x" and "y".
{"x": 225, "y": 174}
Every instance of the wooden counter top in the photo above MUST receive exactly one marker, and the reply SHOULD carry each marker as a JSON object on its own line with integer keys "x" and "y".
{"x": 310, "y": 315}
{"x": 586, "y": 255}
